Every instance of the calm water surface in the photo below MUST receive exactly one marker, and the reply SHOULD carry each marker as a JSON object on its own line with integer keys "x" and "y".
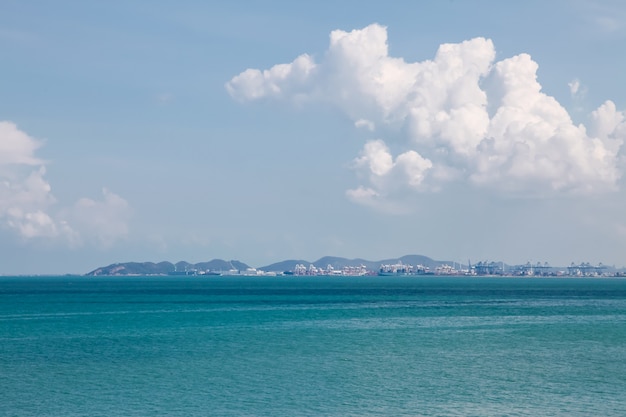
{"x": 368, "y": 346}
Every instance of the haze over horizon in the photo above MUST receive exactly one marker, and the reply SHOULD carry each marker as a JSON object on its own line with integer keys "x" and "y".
{"x": 151, "y": 131}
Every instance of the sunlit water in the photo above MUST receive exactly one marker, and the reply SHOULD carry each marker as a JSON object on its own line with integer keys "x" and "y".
{"x": 370, "y": 346}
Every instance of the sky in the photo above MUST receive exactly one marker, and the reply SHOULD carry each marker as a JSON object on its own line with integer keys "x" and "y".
{"x": 271, "y": 130}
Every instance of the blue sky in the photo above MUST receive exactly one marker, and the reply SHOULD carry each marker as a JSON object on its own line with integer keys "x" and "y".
{"x": 263, "y": 131}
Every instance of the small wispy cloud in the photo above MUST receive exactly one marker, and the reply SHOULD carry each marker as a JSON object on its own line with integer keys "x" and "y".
{"x": 607, "y": 18}
{"x": 164, "y": 98}
{"x": 609, "y": 24}
{"x": 365, "y": 124}
{"x": 574, "y": 86}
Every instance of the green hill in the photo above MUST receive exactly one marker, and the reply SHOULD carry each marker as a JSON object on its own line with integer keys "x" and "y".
{"x": 167, "y": 268}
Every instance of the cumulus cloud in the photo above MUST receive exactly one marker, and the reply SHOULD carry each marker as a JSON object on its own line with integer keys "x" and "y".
{"x": 387, "y": 176}
{"x": 462, "y": 116}
{"x": 608, "y": 124}
{"x": 103, "y": 221}
{"x": 280, "y": 81}
{"x": 28, "y": 207}
{"x": 16, "y": 147}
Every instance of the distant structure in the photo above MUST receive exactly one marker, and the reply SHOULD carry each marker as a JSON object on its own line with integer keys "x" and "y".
{"x": 345, "y": 267}
{"x": 482, "y": 268}
{"x": 585, "y": 269}
{"x": 402, "y": 269}
{"x": 488, "y": 268}
{"x": 312, "y": 270}
{"x": 537, "y": 270}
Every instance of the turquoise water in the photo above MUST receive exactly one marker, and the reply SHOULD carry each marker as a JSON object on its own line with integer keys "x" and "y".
{"x": 368, "y": 346}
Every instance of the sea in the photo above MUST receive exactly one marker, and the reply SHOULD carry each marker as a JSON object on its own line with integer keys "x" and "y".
{"x": 312, "y": 346}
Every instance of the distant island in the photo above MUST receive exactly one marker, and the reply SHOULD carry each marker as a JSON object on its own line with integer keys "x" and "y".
{"x": 337, "y": 266}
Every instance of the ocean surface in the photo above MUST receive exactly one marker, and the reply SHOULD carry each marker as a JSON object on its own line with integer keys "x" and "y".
{"x": 366, "y": 346}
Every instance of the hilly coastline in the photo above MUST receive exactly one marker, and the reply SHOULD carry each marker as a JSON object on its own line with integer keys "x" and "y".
{"x": 220, "y": 265}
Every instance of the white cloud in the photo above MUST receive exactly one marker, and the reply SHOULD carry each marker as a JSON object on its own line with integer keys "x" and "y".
{"x": 376, "y": 158}
{"x": 280, "y": 81}
{"x": 574, "y": 86}
{"x": 414, "y": 167}
{"x": 103, "y": 221}
{"x": 31, "y": 224}
{"x": 367, "y": 124}
{"x": 462, "y": 116}
{"x": 25, "y": 195}
{"x": 27, "y": 205}
{"x": 16, "y": 147}
{"x": 609, "y": 24}
{"x": 385, "y": 175}
{"x": 532, "y": 144}
{"x": 578, "y": 93}
{"x": 608, "y": 123}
